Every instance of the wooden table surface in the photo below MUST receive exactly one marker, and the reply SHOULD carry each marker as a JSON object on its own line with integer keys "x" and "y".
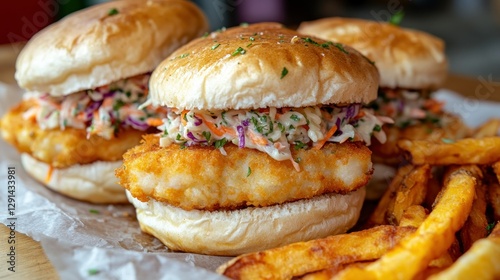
{"x": 31, "y": 260}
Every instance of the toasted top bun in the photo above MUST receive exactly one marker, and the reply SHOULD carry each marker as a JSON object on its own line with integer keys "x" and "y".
{"x": 106, "y": 43}
{"x": 405, "y": 58}
{"x": 262, "y": 65}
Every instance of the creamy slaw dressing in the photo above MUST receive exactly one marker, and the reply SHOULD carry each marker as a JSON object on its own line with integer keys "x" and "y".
{"x": 274, "y": 131}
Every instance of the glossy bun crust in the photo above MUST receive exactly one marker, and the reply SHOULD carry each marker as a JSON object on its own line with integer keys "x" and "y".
{"x": 405, "y": 58}
{"x": 106, "y": 43}
{"x": 262, "y": 65}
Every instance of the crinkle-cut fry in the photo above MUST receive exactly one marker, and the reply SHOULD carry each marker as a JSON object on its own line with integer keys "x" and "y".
{"x": 411, "y": 191}
{"x": 487, "y": 129}
{"x": 475, "y": 226}
{"x": 433, "y": 238}
{"x": 378, "y": 217}
{"x": 303, "y": 257}
{"x": 327, "y": 274}
{"x": 466, "y": 151}
{"x": 482, "y": 261}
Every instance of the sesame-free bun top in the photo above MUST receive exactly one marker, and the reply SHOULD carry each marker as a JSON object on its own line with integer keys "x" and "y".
{"x": 405, "y": 58}
{"x": 262, "y": 65}
{"x": 106, "y": 43}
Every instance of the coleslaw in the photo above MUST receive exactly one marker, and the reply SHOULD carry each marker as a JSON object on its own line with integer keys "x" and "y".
{"x": 102, "y": 111}
{"x": 274, "y": 131}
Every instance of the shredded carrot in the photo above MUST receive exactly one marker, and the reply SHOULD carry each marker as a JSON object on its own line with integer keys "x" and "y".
{"x": 228, "y": 130}
{"x": 257, "y": 139}
{"x": 154, "y": 121}
{"x": 211, "y": 126}
{"x": 329, "y": 134}
{"x": 108, "y": 102}
{"x": 49, "y": 174}
{"x": 360, "y": 115}
{"x": 434, "y": 106}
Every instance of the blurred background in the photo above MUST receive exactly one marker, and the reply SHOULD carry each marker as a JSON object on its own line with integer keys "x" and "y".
{"x": 470, "y": 28}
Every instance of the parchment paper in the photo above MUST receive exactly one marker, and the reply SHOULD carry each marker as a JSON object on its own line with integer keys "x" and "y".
{"x": 85, "y": 241}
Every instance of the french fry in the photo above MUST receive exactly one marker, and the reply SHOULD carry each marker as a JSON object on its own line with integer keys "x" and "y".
{"x": 378, "y": 217}
{"x": 328, "y": 273}
{"x": 487, "y": 129}
{"x": 466, "y": 151}
{"x": 411, "y": 191}
{"x": 301, "y": 258}
{"x": 433, "y": 189}
{"x": 494, "y": 199}
{"x": 414, "y": 216}
{"x": 475, "y": 226}
{"x": 480, "y": 262}
{"x": 433, "y": 238}
{"x": 496, "y": 169}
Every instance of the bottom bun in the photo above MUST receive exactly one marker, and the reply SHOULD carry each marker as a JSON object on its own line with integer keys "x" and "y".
{"x": 94, "y": 182}
{"x": 381, "y": 178}
{"x": 251, "y": 229}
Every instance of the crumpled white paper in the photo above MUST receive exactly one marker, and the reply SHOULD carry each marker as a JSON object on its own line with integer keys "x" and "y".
{"x": 84, "y": 240}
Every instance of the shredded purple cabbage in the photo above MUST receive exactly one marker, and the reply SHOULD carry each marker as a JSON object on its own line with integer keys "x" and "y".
{"x": 241, "y": 135}
{"x": 136, "y": 124}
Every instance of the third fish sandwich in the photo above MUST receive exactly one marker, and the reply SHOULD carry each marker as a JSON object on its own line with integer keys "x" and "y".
{"x": 264, "y": 142}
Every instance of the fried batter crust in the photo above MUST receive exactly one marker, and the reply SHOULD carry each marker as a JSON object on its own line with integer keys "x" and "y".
{"x": 62, "y": 148}
{"x": 202, "y": 178}
{"x": 390, "y": 154}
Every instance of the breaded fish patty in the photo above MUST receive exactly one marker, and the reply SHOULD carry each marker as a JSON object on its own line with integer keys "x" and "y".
{"x": 200, "y": 177}
{"x": 62, "y": 148}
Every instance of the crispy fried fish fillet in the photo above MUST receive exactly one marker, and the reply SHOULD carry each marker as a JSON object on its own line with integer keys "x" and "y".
{"x": 390, "y": 154}
{"x": 62, "y": 148}
{"x": 202, "y": 178}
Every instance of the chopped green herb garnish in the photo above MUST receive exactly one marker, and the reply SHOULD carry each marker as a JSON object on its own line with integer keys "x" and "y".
{"x": 447, "y": 140}
{"x": 185, "y": 117}
{"x": 93, "y": 271}
{"x": 249, "y": 171}
{"x": 215, "y": 46}
{"x": 299, "y": 145}
{"x": 281, "y": 127}
{"x": 340, "y": 47}
{"x": 397, "y": 18}
{"x": 249, "y": 45}
{"x": 118, "y": 104}
{"x": 183, "y": 145}
{"x": 207, "y": 135}
{"x": 223, "y": 115}
{"x": 113, "y": 12}
{"x": 290, "y": 127}
{"x": 284, "y": 72}
{"x": 184, "y": 55}
{"x": 490, "y": 227}
{"x": 239, "y": 50}
{"x": 309, "y": 40}
{"x": 251, "y": 38}
{"x": 295, "y": 117}
{"x": 220, "y": 143}
{"x": 178, "y": 137}
{"x": 94, "y": 211}
{"x": 377, "y": 128}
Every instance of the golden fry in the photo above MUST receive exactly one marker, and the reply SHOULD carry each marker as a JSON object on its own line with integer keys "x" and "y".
{"x": 411, "y": 192}
{"x": 480, "y": 262}
{"x": 487, "y": 129}
{"x": 378, "y": 217}
{"x": 466, "y": 151}
{"x": 413, "y": 216}
{"x": 433, "y": 238}
{"x": 304, "y": 257}
{"x": 328, "y": 273}
{"x": 475, "y": 226}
